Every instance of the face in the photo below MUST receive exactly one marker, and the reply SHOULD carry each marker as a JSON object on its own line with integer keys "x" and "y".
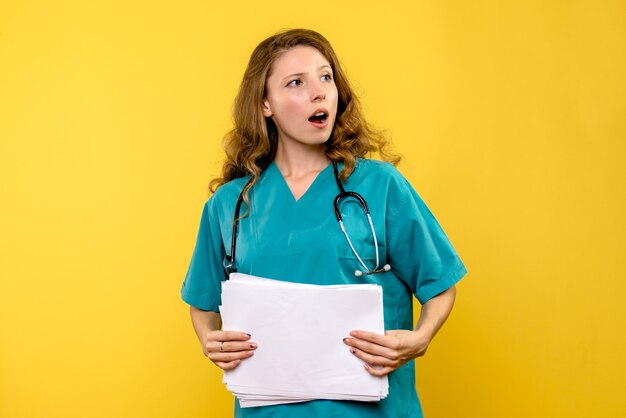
{"x": 302, "y": 96}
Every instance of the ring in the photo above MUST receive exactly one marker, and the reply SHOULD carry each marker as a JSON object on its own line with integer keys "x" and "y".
{"x": 221, "y": 346}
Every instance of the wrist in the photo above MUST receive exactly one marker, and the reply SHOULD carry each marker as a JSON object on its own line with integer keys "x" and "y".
{"x": 424, "y": 332}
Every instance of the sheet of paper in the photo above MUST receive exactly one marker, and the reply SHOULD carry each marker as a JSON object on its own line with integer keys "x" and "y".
{"x": 299, "y": 331}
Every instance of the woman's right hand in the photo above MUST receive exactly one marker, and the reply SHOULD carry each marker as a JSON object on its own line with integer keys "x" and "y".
{"x": 227, "y": 348}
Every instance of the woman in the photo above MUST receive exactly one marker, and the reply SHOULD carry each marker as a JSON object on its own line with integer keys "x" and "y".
{"x": 299, "y": 137}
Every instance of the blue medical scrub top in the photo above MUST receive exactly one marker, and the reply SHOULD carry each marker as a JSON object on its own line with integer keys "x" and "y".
{"x": 301, "y": 241}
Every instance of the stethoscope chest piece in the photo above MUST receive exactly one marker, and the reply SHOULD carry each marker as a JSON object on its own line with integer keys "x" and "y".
{"x": 229, "y": 265}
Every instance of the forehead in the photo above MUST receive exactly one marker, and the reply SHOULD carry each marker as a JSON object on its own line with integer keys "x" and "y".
{"x": 298, "y": 60}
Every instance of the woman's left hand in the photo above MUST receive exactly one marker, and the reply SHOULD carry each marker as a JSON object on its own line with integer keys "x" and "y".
{"x": 383, "y": 354}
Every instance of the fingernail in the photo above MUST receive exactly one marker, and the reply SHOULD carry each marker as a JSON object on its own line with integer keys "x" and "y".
{"x": 345, "y": 340}
{"x": 252, "y": 345}
{"x": 354, "y": 333}
{"x": 245, "y": 333}
{"x": 353, "y": 351}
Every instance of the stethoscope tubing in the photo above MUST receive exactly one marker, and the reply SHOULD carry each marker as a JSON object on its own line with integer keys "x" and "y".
{"x": 229, "y": 260}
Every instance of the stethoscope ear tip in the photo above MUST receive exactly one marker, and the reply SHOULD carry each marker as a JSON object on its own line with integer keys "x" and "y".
{"x": 387, "y": 267}
{"x": 358, "y": 273}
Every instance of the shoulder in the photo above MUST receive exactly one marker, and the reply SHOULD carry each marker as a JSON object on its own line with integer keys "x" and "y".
{"x": 220, "y": 203}
{"x": 382, "y": 171}
{"x": 383, "y": 181}
{"x": 376, "y": 167}
{"x": 230, "y": 190}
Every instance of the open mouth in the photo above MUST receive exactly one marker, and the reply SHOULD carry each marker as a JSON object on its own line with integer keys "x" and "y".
{"x": 319, "y": 117}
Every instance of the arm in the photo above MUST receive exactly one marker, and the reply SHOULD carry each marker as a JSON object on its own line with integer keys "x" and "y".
{"x": 383, "y": 354}
{"x": 224, "y": 348}
{"x": 434, "y": 314}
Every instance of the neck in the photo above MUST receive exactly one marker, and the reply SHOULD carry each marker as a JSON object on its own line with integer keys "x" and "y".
{"x": 298, "y": 160}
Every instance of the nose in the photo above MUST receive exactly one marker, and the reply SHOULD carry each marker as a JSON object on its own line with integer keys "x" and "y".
{"x": 318, "y": 92}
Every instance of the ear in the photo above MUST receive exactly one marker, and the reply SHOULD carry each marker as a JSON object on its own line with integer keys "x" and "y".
{"x": 267, "y": 112}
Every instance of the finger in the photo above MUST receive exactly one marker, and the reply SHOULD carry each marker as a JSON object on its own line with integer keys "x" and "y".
{"x": 228, "y": 365}
{"x": 375, "y": 338}
{"x": 231, "y": 336}
{"x": 371, "y": 348}
{"x": 230, "y": 346}
{"x": 378, "y": 372}
{"x": 374, "y": 360}
{"x": 228, "y": 357}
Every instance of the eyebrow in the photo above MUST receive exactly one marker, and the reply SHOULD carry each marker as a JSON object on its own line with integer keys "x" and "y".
{"x": 301, "y": 74}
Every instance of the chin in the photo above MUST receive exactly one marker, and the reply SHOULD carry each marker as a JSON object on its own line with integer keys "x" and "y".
{"x": 323, "y": 140}
{"x": 319, "y": 140}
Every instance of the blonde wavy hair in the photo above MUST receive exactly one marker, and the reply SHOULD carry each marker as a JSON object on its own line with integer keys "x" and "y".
{"x": 251, "y": 145}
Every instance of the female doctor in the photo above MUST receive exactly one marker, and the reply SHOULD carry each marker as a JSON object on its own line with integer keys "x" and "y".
{"x": 299, "y": 139}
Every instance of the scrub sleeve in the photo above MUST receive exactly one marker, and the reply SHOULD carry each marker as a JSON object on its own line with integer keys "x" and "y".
{"x": 419, "y": 250}
{"x": 202, "y": 284}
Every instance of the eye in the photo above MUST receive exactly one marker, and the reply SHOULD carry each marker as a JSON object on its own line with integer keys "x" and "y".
{"x": 327, "y": 77}
{"x": 294, "y": 83}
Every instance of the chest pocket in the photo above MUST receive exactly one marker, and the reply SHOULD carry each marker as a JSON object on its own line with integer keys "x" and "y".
{"x": 367, "y": 252}
{"x": 349, "y": 262}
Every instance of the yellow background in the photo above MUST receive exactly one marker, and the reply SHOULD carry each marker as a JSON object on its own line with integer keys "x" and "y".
{"x": 511, "y": 120}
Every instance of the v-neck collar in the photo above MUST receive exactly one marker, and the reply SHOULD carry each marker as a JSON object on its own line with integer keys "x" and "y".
{"x": 276, "y": 172}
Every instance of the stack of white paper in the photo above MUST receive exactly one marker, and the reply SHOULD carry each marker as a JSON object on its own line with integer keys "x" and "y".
{"x": 299, "y": 329}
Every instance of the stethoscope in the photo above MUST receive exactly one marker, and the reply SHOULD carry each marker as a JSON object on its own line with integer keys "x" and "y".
{"x": 229, "y": 260}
